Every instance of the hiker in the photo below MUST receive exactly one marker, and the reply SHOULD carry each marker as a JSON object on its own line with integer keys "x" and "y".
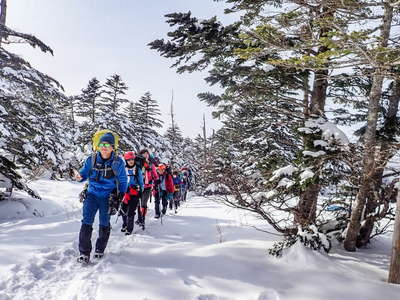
{"x": 166, "y": 188}
{"x": 159, "y": 194}
{"x": 184, "y": 185}
{"x": 107, "y": 179}
{"x": 150, "y": 175}
{"x": 132, "y": 195}
{"x": 169, "y": 186}
{"x": 177, "y": 189}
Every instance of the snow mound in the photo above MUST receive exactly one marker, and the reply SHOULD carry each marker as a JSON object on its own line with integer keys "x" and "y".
{"x": 300, "y": 257}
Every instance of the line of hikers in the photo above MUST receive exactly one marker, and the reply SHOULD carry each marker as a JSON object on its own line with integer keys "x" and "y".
{"x": 124, "y": 186}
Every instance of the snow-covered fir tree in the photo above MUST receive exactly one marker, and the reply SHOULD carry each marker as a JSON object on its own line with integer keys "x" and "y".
{"x": 87, "y": 108}
{"x": 147, "y": 118}
{"x": 32, "y": 131}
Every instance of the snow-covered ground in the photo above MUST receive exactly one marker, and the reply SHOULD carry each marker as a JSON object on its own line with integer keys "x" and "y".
{"x": 205, "y": 252}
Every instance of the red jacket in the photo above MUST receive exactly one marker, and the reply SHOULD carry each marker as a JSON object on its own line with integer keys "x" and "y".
{"x": 169, "y": 183}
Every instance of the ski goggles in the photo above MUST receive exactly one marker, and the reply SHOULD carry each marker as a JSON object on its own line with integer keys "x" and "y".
{"x": 105, "y": 145}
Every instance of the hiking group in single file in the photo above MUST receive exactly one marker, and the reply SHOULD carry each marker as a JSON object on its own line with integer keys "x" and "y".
{"x": 124, "y": 186}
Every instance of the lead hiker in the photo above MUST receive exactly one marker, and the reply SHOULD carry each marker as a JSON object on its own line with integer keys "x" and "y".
{"x": 107, "y": 183}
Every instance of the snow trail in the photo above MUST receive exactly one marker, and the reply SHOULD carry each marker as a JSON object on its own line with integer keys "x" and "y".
{"x": 205, "y": 252}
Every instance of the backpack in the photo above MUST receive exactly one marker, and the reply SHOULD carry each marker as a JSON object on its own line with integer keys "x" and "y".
{"x": 139, "y": 161}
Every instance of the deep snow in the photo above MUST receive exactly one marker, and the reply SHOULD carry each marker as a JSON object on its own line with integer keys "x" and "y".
{"x": 206, "y": 252}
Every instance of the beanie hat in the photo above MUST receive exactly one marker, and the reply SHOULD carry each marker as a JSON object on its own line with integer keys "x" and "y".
{"x": 107, "y": 138}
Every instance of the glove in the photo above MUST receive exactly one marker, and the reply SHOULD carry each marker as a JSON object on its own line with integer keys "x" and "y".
{"x": 82, "y": 196}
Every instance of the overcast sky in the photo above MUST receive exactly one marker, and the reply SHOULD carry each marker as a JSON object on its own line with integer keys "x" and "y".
{"x": 100, "y": 38}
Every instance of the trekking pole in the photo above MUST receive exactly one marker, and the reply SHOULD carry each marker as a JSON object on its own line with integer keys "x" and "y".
{"x": 140, "y": 206}
{"x": 119, "y": 211}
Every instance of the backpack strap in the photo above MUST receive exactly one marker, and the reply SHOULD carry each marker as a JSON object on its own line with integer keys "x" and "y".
{"x": 114, "y": 167}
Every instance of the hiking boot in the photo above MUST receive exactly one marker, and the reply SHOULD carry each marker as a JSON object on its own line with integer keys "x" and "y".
{"x": 176, "y": 211}
{"x": 123, "y": 229}
{"x": 128, "y": 233}
{"x": 137, "y": 222}
{"x": 83, "y": 259}
{"x": 157, "y": 216}
{"x": 98, "y": 255}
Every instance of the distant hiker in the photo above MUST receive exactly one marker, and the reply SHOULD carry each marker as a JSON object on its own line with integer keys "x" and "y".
{"x": 166, "y": 188}
{"x": 131, "y": 198}
{"x": 184, "y": 184}
{"x": 169, "y": 185}
{"x": 150, "y": 176}
{"x": 159, "y": 194}
{"x": 177, "y": 189}
{"x": 107, "y": 179}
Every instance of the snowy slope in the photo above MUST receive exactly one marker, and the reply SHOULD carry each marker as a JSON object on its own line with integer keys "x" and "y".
{"x": 205, "y": 252}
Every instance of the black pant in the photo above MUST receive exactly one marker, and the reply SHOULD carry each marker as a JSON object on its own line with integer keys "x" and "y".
{"x": 143, "y": 204}
{"x": 128, "y": 216}
{"x": 162, "y": 195}
{"x": 85, "y": 236}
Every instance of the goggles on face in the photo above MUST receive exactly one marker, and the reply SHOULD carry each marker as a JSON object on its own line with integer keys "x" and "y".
{"x": 104, "y": 145}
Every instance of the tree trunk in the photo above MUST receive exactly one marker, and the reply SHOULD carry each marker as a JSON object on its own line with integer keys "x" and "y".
{"x": 307, "y": 206}
{"x": 205, "y": 141}
{"x": 376, "y": 195}
{"x": 3, "y": 15}
{"x": 369, "y": 167}
{"x": 394, "y": 269}
{"x": 368, "y": 164}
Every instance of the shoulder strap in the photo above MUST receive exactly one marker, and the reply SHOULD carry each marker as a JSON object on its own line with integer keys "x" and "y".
{"x": 113, "y": 167}
{"x": 92, "y": 164}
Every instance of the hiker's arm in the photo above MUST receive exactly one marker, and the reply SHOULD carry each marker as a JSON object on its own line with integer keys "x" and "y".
{"x": 84, "y": 172}
{"x": 140, "y": 179}
{"x": 122, "y": 178}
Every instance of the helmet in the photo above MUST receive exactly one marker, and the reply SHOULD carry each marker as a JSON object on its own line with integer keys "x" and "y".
{"x": 129, "y": 155}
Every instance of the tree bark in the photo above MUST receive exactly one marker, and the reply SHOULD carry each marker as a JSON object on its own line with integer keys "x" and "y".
{"x": 3, "y": 15}
{"x": 394, "y": 269}
{"x": 376, "y": 195}
{"x": 369, "y": 165}
{"x": 307, "y": 206}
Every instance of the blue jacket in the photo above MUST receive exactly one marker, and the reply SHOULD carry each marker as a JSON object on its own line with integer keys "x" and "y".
{"x": 101, "y": 177}
{"x": 135, "y": 180}
{"x": 177, "y": 180}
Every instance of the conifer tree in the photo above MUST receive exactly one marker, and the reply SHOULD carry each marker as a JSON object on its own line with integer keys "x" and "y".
{"x": 31, "y": 132}
{"x": 112, "y": 112}
{"x": 147, "y": 115}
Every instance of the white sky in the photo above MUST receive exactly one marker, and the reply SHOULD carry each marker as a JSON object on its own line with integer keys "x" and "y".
{"x": 100, "y": 38}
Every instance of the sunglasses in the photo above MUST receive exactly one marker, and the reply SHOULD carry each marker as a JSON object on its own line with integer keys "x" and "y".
{"x": 104, "y": 145}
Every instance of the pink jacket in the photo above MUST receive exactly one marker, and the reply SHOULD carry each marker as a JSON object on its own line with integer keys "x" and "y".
{"x": 150, "y": 176}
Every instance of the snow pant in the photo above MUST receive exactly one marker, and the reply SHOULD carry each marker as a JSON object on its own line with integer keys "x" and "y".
{"x": 184, "y": 193}
{"x": 142, "y": 209}
{"x": 91, "y": 204}
{"x": 128, "y": 212}
{"x": 170, "y": 198}
{"x": 177, "y": 199}
{"x": 162, "y": 195}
